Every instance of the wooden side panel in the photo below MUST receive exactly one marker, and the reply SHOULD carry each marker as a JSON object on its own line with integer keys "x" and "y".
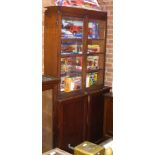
{"x": 47, "y": 135}
{"x": 51, "y": 43}
{"x": 72, "y": 117}
{"x": 95, "y": 117}
{"x": 108, "y": 116}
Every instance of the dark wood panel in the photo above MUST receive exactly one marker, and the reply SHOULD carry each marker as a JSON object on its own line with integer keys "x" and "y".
{"x": 95, "y": 117}
{"x": 79, "y": 12}
{"x": 108, "y": 115}
{"x": 51, "y": 43}
{"x": 49, "y": 82}
{"x": 72, "y": 122}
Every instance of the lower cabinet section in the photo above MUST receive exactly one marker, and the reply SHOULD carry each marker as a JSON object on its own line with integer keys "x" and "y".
{"x": 108, "y": 115}
{"x": 78, "y": 119}
{"x": 72, "y": 122}
{"x": 95, "y": 117}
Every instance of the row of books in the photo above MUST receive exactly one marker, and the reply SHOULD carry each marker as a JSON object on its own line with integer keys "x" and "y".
{"x": 74, "y": 48}
{"x": 71, "y": 48}
{"x": 74, "y": 64}
{"x": 74, "y": 29}
{"x": 69, "y": 65}
{"x": 69, "y": 84}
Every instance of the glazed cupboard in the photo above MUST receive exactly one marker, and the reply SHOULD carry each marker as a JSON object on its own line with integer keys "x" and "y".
{"x": 74, "y": 51}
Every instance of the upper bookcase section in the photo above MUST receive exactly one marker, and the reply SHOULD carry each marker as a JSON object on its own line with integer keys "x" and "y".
{"x": 86, "y": 4}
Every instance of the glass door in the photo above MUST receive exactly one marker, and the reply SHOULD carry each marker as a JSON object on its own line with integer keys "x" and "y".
{"x": 95, "y": 53}
{"x": 71, "y": 54}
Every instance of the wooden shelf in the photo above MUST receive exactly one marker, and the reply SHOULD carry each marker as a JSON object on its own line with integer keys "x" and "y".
{"x": 94, "y": 70}
{"x": 76, "y": 72}
{"x": 94, "y": 53}
{"x": 70, "y": 95}
{"x": 49, "y": 82}
{"x": 74, "y": 55}
{"x": 71, "y": 39}
{"x": 71, "y": 55}
{"x": 96, "y": 39}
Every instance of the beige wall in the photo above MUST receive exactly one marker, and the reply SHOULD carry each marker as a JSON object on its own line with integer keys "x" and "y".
{"x": 107, "y": 5}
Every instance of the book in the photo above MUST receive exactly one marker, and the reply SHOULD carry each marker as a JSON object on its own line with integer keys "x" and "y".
{"x": 93, "y": 48}
{"x": 71, "y": 65}
{"x": 93, "y": 30}
{"x": 71, "y": 48}
{"x": 72, "y": 29}
{"x": 92, "y": 62}
{"x": 91, "y": 79}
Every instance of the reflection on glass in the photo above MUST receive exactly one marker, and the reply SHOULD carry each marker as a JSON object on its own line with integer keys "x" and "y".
{"x": 91, "y": 79}
{"x": 71, "y": 47}
{"x": 92, "y": 62}
{"x": 71, "y": 29}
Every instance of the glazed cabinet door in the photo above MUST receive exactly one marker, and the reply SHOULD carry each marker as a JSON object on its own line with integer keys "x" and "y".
{"x": 95, "y": 117}
{"x": 95, "y": 53}
{"x": 71, "y": 54}
{"x": 72, "y": 122}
